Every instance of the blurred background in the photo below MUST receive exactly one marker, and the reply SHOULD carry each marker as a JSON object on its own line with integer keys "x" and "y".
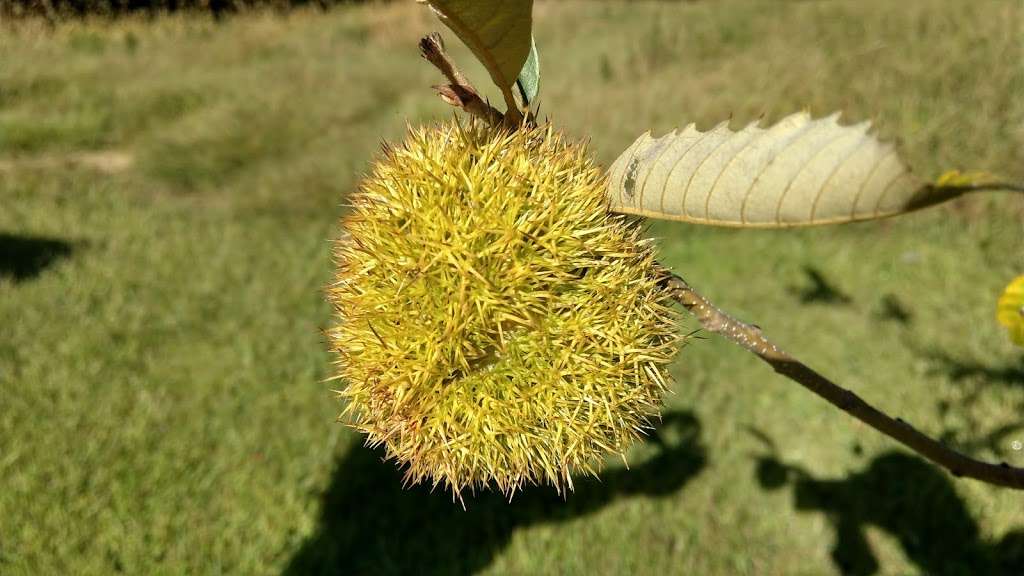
{"x": 170, "y": 182}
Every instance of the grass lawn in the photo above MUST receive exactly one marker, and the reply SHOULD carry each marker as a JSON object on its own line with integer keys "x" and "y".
{"x": 168, "y": 191}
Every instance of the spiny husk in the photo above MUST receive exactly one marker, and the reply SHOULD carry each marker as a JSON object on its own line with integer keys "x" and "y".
{"x": 1010, "y": 310}
{"x": 495, "y": 324}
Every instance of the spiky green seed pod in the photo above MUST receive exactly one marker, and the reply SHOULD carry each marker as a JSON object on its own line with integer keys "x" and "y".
{"x": 495, "y": 323}
{"x": 1010, "y": 312}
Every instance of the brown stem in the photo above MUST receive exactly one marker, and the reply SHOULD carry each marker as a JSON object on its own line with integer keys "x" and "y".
{"x": 458, "y": 92}
{"x": 994, "y": 186}
{"x": 753, "y": 340}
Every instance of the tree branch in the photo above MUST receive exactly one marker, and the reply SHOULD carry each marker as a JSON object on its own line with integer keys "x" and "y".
{"x": 458, "y": 92}
{"x": 994, "y": 186}
{"x": 753, "y": 340}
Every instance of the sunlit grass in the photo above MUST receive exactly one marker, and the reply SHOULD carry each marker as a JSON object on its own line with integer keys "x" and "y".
{"x": 162, "y": 403}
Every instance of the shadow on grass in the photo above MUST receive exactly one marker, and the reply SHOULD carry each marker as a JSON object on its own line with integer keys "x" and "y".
{"x": 819, "y": 290}
{"x": 891, "y": 309}
{"x": 977, "y": 381}
{"x": 958, "y": 369}
{"x": 370, "y": 525}
{"x": 909, "y": 499}
{"x": 25, "y": 257}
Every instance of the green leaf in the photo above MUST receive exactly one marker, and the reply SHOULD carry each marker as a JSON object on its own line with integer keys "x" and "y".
{"x": 529, "y": 77}
{"x": 499, "y": 32}
{"x": 799, "y": 172}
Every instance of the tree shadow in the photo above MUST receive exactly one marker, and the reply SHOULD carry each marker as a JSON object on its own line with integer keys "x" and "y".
{"x": 977, "y": 381}
{"x": 907, "y": 498}
{"x": 818, "y": 289}
{"x": 890, "y": 308}
{"x": 25, "y": 257}
{"x": 369, "y": 524}
{"x": 959, "y": 369}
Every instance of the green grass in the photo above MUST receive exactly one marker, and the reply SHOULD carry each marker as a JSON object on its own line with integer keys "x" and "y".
{"x": 163, "y": 408}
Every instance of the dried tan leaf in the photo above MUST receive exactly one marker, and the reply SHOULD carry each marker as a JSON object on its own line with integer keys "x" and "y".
{"x": 798, "y": 172}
